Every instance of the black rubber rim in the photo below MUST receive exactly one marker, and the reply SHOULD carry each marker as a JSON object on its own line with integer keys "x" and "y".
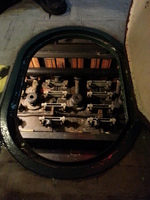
{"x": 11, "y": 136}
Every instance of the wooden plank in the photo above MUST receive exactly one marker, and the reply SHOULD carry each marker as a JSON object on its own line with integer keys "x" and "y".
{"x": 73, "y": 47}
{"x": 106, "y": 63}
{"x": 97, "y": 63}
{"x": 93, "y": 63}
{"x": 74, "y": 63}
{"x": 71, "y": 54}
{"x": 80, "y": 62}
{"x": 60, "y": 62}
{"x": 93, "y": 74}
{"x": 31, "y": 64}
{"x": 36, "y": 63}
{"x": 29, "y": 134}
{"x": 53, "y": 63}
{"x": 48, "y": 62}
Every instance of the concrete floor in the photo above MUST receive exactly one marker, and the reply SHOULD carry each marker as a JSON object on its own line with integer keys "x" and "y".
{"x": 21, "y": 22}
{"x": 130, "y": 178}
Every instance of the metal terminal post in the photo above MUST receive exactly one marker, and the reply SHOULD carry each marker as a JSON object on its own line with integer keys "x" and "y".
{"x": 103, "y": 95}
{"x": 118, "y": 86}
{"x": 76, "y": 85}
{"x": 55, "y": 105}
{"x": 99, "y": 83}
{"x": 34, "y": 86}
{"x": 100, "y": 106}
{"x": 47, "y": 121}
{"x": 56, "y": 82}
{"x": 96, "y": 121}
{"x": 57, "y": 94}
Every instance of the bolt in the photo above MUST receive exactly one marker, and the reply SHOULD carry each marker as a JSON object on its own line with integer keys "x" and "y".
{"x": 56, "y": 78}
{"x": 76, "y": 85}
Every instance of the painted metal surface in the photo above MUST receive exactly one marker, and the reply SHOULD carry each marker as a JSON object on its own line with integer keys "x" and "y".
{"x": 18, "y": 147}
{"x": 137, "y": 45}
